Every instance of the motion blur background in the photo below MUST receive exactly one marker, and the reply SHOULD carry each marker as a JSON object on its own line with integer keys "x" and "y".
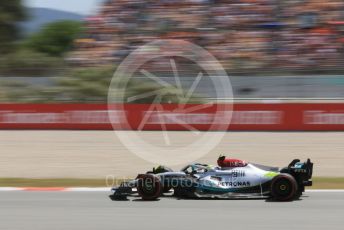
{"x": 65, "y": 52}
{"x": 284, "y": 59}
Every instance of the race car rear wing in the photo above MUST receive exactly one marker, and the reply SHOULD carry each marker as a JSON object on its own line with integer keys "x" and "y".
{"x": 302, "y": 172}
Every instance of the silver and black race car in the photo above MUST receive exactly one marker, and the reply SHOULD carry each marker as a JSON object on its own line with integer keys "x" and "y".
{"x": 231, "y": 179}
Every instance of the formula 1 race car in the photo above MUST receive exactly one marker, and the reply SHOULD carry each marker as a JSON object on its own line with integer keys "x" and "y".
{"x": 231, "y": 179}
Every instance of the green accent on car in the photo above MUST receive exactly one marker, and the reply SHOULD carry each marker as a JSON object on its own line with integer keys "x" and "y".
{"x": 271, "y": 174}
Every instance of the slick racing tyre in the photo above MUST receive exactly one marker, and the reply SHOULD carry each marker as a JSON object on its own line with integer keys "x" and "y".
{"x": 284, "y": 187}
{"x": 149, "y": 186}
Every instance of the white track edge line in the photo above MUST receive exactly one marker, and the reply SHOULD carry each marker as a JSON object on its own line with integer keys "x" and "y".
{"x": 104, "y": 189}
{"x": 325, "y": 190}
{"x": 107, "y": 189}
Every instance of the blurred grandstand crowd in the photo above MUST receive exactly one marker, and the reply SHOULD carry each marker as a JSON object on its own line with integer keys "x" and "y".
{"x": 245, "y": 35}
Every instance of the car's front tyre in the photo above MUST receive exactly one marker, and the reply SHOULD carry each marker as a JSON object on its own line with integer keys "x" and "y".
{"x": 149, "y": 186}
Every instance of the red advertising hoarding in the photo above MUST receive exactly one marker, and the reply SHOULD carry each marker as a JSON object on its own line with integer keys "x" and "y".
{"x": 244, "y": 117}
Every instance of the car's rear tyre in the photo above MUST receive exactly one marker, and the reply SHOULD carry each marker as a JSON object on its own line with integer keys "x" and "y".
{"x": 284, "y": 187}
{"x": 149, "y": 186}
